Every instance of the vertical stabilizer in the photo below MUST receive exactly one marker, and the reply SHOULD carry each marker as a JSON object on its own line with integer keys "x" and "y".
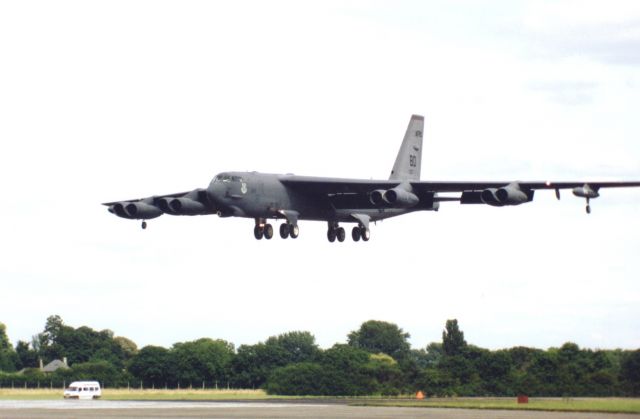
{"x": 409, "y": 160}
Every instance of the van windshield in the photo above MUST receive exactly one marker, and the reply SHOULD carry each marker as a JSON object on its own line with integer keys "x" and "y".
{"x": 71, "y": 388}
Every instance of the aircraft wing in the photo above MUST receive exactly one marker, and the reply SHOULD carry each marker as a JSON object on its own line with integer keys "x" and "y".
{"x": 337, "y": 185}
{"x": 475, "y": 186}
{"x": 173, "y": 195}
{"x": 182, "y": 203}
{"x": 412, "y": 193}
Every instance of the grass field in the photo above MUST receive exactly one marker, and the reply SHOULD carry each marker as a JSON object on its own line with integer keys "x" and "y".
{"x": 604, "y": 405}
{"x": 137, "y": 394}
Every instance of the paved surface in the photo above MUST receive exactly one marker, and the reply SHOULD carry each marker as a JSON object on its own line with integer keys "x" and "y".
{"x": 115, "y": 409}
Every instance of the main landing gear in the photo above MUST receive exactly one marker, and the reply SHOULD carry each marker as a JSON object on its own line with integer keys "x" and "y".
{"x": 335, "y": 232}
{"x": 289, "y": 230}
{"x": 265, "y": 230}
{"x": 588, "y": 208}
{"x": 144, "y": 225}
{"x": 360, "y": 232}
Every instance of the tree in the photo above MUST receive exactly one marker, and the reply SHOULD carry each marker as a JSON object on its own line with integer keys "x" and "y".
{"x": 28, "y": 358}
{"x": 495, "y": 370}
{"x": 453, "y": 342}
{"x": 253, "y": 364}
{"x": 297, "y": 346}
{"x": 434, "y": 354}
{"x": 5, "y": 344}
{"x": 630, "y": 373}
{"x": 202, "y": 360}
{"x": 152, "y": 365}
{"x": 386, "y": 373}
{"x": 50, "y": 343}
{"x": 301, "y": 379}
{"x": 377, "y": 336}
{"x": 340, "y": 370}
{"x": 127, "y": 347}
{"x": 8, "y": 357}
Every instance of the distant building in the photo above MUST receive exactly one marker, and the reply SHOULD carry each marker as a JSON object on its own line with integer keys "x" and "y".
{"x": 54, "y": 365}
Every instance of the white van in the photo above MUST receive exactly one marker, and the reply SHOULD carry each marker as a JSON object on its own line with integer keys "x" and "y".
{"x": 83, "y": 390}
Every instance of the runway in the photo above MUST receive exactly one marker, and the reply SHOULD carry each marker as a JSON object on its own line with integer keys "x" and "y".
{"x": 75, "y": 409}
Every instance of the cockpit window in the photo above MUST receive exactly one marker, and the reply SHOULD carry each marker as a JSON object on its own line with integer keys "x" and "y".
{"x": 228, "y": 178}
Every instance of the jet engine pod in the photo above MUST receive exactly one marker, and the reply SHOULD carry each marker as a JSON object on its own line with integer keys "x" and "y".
{"x": 141, "y": 211}
{"x": 400, "y": 198}
{"x": 489, "y": 197}
{"x": 376, "y": 197}
{"x": 118, "y": 209}
{"x": 511, "y": 195}
{"x": 186, "y": 206}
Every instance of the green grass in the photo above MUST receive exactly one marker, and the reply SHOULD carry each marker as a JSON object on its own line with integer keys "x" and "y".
{"x": 604, "y": 405}
{"x": 137, "y": 394}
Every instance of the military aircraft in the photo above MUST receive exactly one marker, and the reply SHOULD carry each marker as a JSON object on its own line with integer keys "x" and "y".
{"x": 292, "y": 198}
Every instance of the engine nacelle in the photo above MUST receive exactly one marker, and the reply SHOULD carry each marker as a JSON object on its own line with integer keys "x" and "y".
{"x": 118, "y": 209}
{"x": 141, "y": 210}
{"x": 508, "y": 195}
{"x": 489, "y": 197}
{"x": 511, "y": 195}
{"x": 376, "y": 197}
{"x": 181, "y": 206}
{"x": 399, "y": 197}
{"x": 186, "y": 206}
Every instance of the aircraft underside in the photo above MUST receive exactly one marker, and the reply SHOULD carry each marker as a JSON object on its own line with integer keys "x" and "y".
{"x": 361, "y": 217}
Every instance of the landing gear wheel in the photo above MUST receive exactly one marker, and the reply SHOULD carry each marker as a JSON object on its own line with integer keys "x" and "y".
{"x": 258, "y": 232}
{"x": 588, "y": 209}
{"x": 284, "y": 231}
{"x": 268, "y": 231}
{"x": 355, "y": 234}
{"x": 144, "y": 225}
{"x": 340, "y": 234}
{"x": 331, "y": 235}
{"x": 365, "y": 233}
{"x": 294, "y": 231}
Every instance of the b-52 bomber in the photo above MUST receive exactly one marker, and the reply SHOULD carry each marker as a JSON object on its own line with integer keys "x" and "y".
{"x": 291, "y": 198}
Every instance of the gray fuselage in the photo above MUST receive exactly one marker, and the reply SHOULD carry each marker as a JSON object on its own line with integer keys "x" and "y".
{"x": 263, "y": 195}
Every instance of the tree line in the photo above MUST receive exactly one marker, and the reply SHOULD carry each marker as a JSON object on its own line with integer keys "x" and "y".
{"x": 377, "y": 359}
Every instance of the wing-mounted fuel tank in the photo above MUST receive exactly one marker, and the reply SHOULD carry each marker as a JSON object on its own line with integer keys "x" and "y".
{"x": 588, "y": 192}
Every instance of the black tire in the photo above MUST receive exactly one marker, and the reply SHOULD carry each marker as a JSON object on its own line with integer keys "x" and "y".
{"x": 268, "y": 231}
{"x": 284, "y": 231}
{"x": 588, "y": 209}
{"x": 355, "y": 234}
{"x": 340, "y": 234}
{"x": 366, "y": 234}
{"x": 144, "y": 225}
{"x": 258, "y": 232}
{"x": 294, "y": 231}
{"x": 331, "y": 235}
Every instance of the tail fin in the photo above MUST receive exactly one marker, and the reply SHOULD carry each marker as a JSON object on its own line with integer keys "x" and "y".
{"x": 408, "y": 162}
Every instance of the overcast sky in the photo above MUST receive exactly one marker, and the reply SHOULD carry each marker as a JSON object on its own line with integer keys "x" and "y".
{"x": 109, "y": 100}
